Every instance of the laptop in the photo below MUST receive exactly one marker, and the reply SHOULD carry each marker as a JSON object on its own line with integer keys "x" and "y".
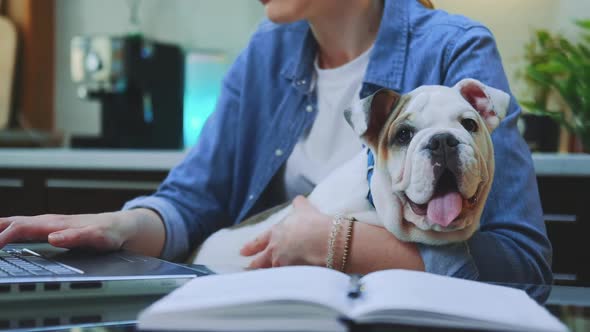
{"x": 43, "y": 272}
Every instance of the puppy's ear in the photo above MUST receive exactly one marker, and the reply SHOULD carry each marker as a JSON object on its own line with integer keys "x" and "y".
{"x": 492, "y": 104}
{"x": 368, "y": 116}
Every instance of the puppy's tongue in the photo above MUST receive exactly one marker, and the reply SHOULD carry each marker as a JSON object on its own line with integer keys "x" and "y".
{"x": 444, "y": 208}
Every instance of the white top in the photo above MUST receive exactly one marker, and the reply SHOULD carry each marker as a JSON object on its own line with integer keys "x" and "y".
{"x": 331, "y": 141}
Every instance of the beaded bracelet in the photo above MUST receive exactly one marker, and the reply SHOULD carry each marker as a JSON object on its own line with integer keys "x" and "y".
{"x": 347, "y": 240}
{"x": 336, "y": 224}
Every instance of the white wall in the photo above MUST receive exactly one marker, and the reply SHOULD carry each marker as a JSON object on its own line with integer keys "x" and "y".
{"x": 227, "y": 24}
{"x": 513, "y": 22}
{"x": 195, "y": 24}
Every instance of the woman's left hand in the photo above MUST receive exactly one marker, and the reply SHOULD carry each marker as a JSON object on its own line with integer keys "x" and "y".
{"x": 300, "y": 239}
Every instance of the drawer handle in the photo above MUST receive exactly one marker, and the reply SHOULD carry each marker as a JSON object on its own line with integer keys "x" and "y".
{"x": 562, "y": 218}
{"x": 565, "y": 276}
{"x": 101, "y": 184}
{"x": 11, "y": 183}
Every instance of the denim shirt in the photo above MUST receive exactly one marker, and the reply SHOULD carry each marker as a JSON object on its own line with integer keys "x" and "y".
{"x": 268, "y": 100}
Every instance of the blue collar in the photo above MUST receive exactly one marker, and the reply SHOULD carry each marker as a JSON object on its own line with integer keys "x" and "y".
{"x": 370, "y": 168}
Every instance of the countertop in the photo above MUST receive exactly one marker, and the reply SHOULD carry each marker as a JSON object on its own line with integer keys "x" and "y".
{"x": 546, "y": 164}
{"x": 90, "y": 159}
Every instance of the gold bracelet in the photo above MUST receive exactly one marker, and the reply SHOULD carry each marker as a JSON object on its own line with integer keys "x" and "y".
{"x": 347, "y": 241}
{"x": 336, "y": 224}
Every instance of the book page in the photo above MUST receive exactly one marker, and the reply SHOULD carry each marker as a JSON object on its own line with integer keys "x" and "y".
{"x": 449, "y": 299}
{"x": 316, "y": 285}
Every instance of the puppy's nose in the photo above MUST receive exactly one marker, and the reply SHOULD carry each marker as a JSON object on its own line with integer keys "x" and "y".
{"x": 442, "y": 142}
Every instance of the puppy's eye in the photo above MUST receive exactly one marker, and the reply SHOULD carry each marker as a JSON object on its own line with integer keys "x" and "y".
{"x": 470, "y": 125}
{"x": 404, "y": 136}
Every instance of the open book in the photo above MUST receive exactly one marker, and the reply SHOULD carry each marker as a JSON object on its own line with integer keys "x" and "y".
{"x": 317, "y": 299}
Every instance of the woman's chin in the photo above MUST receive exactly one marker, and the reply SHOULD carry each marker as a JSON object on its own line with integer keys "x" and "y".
{"x": 280, "y": 18}
{"x": 282, "y": 12}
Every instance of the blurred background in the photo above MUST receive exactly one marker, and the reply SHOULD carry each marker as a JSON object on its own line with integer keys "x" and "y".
{"x": 210, "y": 34}
{"x": 120, "y": 88}
{"x": 219, "y": 27}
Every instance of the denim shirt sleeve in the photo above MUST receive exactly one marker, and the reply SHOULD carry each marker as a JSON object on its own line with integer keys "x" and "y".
{"x": 193, "y": 200}
{"x": 511, "y": 245}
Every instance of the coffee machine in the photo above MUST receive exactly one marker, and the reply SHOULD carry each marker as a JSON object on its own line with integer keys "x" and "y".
{"x": 140, "y": 87}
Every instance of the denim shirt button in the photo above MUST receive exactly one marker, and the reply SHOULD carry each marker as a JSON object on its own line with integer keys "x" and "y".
{"x": 251, "y": 197}
{"x": 309, "y": 109}
{"x": 278, "y": 152}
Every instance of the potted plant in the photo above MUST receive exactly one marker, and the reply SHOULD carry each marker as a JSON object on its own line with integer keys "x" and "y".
{"x": 558, "y": 73}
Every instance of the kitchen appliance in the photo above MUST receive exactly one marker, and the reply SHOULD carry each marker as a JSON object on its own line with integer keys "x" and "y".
{"x": 140, "y": 86}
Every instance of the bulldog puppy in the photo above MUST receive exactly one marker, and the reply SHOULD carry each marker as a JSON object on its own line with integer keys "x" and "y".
{"x": 433, "y": 169}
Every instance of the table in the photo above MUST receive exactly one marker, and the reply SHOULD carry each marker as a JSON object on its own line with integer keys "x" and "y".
{"x": 570, "y": 304}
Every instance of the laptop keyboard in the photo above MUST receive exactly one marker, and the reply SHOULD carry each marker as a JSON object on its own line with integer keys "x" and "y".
{"x": 23, "y": 263}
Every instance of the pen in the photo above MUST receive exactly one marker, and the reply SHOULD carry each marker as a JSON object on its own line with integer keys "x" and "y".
{"x": 354, "y": 287}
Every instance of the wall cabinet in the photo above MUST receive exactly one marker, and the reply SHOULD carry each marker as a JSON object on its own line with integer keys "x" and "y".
{"x": 12, "y": 196}
{"x": 32, "y": 192}
{"x": 567, "y": 216}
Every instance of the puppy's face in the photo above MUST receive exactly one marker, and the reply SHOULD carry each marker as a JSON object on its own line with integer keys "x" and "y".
{"x": 434, "y": 157}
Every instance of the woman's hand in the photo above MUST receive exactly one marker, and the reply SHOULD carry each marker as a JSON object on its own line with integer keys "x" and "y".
{"x": 300, "y": 239}
{"x": 138, "y": 230}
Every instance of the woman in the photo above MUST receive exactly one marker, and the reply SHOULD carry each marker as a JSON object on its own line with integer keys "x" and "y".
{"x": 267, "y": 142}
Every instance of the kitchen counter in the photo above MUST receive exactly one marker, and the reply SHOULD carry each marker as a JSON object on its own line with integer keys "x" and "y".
{"x": 89, "y": 159}
{"x": 554, "y": 164}
{"x": 546, "y": 164}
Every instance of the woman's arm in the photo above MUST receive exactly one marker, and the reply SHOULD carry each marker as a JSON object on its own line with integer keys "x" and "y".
{"x": 373, "y": 248}
{"x": 194, "y": 200}
{"x": 189, "y": 205}
{"x": 139, "y": 230}
{"x": 302, "y": 239}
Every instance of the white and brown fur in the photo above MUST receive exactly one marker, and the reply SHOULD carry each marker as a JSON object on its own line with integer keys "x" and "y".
{"x": 401, "y": 172}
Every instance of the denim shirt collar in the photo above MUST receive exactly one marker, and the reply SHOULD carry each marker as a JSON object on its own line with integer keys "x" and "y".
{"x": 299, "y": 68}
{"x": 387, "y": 60}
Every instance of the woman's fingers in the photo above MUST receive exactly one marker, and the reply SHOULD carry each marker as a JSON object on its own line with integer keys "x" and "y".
{"x": 263, "y": 261}
{"x": 31, "y": 228}
{"x": 257, "y": 245}
{"x": 300, "y": 202}
{"x": 100, "y": 231}
{"x": 4, "y": 223}
{"x": 90, "y": 237}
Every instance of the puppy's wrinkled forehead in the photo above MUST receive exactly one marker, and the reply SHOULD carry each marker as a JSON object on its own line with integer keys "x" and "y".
{"x": 427, "y": 106}
{"x": 435, "y": 105}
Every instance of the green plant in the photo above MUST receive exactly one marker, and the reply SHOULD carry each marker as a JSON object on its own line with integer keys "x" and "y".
{"x": 559, "y": 68}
